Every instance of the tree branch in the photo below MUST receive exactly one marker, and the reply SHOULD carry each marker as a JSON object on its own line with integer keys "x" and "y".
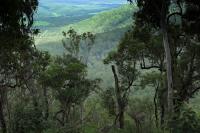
{"x": 143, "y": 66}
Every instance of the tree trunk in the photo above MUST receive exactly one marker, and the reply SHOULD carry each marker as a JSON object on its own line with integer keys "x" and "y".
{"x": 155, "y": 106}
{"x": 168, "y": 59}
{"x": 32, "y": 88}
{"x": 120, "y": 103}
{"x": 121, "y": 119}
{"x": 162, "y": 116}
{"x": 46, "y": 103}
{"x": 2, "y": 119}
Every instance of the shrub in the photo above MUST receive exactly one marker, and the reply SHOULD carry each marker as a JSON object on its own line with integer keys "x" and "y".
{"x": 27, "y": 119}
{"x": 187, "y": 121}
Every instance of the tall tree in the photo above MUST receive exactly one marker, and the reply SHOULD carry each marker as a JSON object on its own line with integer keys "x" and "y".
{"x": 67, "y": 78}
{"x": 161, "y": 15}
{"x": 157, "y": 13}
{"x": 125, "y": 74}
{"x": 16, "y": 19}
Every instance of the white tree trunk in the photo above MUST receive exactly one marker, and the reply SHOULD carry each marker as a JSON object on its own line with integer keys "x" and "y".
{"x": 164, "y": 27}
{"x": 168, "y": 68}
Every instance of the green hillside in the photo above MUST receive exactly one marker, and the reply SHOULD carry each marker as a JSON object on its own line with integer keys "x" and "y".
{"x": 104, "y": 42}
{"x": 61, "y": 12}
{"x": 108, "y": 33}
{"x": 118, "y": 18}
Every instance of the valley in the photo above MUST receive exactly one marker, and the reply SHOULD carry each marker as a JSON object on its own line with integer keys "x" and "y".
{"x": 99, "y": 66}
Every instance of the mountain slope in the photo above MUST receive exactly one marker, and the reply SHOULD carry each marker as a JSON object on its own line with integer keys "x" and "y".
{"x": 49, "y": 9}
{"x": 109, "y": 27}
{"x": 103, "y": 22}
{"x": 104, "y": 42}
{"x": 106, "y": 21}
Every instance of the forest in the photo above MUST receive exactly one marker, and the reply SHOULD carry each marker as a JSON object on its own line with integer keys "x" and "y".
{"x": 109, "y": 66}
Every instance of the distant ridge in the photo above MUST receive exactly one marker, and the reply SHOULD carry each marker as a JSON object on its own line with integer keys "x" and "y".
{"x": 106, "y": 21}
{"x": 102, "y": 22}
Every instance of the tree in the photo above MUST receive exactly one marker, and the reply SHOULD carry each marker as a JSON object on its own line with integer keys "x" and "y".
{"x": 157, "y": 13}
{"x": 147, "y": 40}
{"x": 78, "y": 45}
{"x": 144, "y": 43}
{"x": 67, "y": 77}
{"x": 41, "y": 66}
{"x": 16, "y": 19}
{"x": 167, "y": 16}
{"x": 124, "y": 77}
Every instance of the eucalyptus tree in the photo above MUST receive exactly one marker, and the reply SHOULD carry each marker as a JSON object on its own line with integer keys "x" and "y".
{"x": 78, "y": 45}
{"x": 157, "y": 13}
{"x": 175, "y": 20}
{"x": 16, "y": 19}
{"x": 124, "y": 69}
{"x": 67, "y": 77}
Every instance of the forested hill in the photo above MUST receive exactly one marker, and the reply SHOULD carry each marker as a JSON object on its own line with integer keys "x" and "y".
{"x": 119, "y": 19}
{"x": 60, "y": 12}
{"x": 106, "y": 21}
{"x": 100, "y": 66}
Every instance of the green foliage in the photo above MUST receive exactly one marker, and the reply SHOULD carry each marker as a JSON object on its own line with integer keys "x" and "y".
{"x": 129, "y": 128}
{"x": 67, "y": 85}
{"x": 187, "y": 121}
{"x": 108, "y": 101}
{"x": 118, "y": 18}
{"x": 27, "y": 119}
{"x": 90, "y": 128}
{"x": 57, "y": 12}
{"x": 141, "y": 112}
{"x": 77, "y": 45}
{"x": 18, "y": 55}
{"x": 66, "y": 76}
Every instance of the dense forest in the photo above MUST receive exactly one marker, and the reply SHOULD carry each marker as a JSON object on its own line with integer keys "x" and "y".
{"x": 121, "y": 66}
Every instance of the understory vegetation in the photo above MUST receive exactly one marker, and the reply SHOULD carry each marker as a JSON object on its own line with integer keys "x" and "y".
{"x": 134, "y": 69}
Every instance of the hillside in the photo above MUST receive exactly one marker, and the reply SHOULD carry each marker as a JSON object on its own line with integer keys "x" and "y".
{"x": 61, "y": 12}
{"x": 54, "y": 8}
{"x": 104, "y": 42}
{"x": 100, "y": 66}
{"x": 108, "y": 34}
{"x": 119, "y": 19}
